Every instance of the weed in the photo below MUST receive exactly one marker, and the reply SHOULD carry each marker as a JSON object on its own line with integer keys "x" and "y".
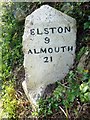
{"x": 64, "y": 96}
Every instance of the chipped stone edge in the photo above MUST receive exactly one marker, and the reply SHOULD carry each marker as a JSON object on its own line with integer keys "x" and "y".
{"x": 24, "y": 85}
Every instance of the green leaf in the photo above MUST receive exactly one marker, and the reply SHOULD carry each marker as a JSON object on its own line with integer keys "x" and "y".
{"x": 87, "y": 97}
{"x": 84, "y": 87}
{"x": 86, "y": 25}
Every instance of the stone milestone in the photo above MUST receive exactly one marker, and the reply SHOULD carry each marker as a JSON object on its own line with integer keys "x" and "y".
{"x": 49, "y": 43}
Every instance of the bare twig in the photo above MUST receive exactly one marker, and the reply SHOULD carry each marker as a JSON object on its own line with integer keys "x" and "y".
{"x": 63, "y": 111}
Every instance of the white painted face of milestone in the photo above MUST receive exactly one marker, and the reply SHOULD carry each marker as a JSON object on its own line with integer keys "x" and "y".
{"x": 49, "y": 43}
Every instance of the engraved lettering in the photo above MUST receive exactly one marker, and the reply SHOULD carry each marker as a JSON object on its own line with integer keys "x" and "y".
{"x": 52, "y": 29}
{"x": 46, "y": 31}
{"x": 47, "y": 40}
{"x": 43, "y": 50}
{"x": 50, "y": 50}
{"x": 60, "y": 29}
{"x": 63, "y": 48}
{"x": 57, "y": 49}
{"x": 32, "y": 31}
{"x": 36, "y": 52}
{"x": 30, "y": 51}
{"x": 38, "y": 31}
{"x": 70, "y": 48}
{"x": 67, "y": 29}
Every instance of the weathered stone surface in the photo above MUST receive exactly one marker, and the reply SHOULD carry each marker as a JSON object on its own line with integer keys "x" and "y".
{"x": 49, "y": 49}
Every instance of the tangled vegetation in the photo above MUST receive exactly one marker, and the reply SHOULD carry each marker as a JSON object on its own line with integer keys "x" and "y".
{"x": 68, "y": 96}
{"x": 71, "y": 97}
